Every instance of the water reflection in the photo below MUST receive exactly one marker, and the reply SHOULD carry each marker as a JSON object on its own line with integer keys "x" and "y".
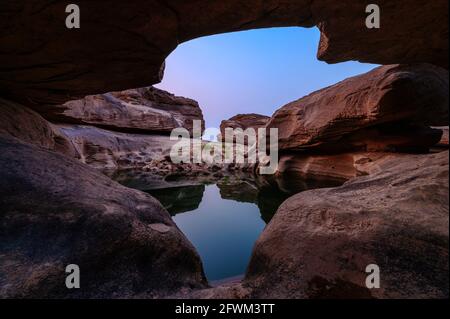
{"x": 179, "y": 199}
{"x": 222, "y": 217}
{"x": 223, "y": 232}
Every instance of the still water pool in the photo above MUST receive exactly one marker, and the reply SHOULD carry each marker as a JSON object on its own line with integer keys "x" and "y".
{"x": 222, "y": 218}
{"x": 223, "y": 231}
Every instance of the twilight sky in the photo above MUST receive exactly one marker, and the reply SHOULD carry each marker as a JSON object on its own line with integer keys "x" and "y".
{"x": 254, "y": 71}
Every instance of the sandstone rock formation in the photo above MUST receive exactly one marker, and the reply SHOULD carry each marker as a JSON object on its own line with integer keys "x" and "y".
{"x": 416, "y": 94}
{"x": 320, "y": 242}
{"x": 56, "y": 211}
{"x": 28, "y": 126}
{"x": 143, "y": 110}
{"x": 57, "y": 64}
{"x": 244, "y": 122}
{"x": 103, "y": 149}
{"x": 444, "y": 139}
{"x": 329, "y": 168}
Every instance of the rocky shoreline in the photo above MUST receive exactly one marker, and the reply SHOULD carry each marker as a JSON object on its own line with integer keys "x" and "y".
{"x": 380, "y": 139}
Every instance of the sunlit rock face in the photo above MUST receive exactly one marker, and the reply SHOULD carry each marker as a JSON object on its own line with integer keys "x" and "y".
{"x": 57, "y": 64}
{"x": 401, "y": 94}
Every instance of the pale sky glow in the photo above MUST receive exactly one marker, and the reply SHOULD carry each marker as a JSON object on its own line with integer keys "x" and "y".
{"x": 255, "y": 71}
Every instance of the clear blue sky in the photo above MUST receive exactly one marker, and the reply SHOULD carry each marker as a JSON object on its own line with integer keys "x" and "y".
{"x": 255, "y": 71}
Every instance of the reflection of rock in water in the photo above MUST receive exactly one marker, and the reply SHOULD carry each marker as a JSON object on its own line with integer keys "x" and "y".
{"x": 179, "y": 193}
{"x": 238, "y": 190}
{"x": 179, "y": 199}
{"x": 267, "y": 197}
{"x": 147, "y": 181}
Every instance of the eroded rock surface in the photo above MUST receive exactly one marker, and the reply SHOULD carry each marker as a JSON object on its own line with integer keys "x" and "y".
{"x": 143, "y": 110}
{"x": 412, "y": 94}
{"x": 56, "y": 211}
{"x": 331, "y": 168}
{"x": 243, "y": 122}
{"x": 103, "y": 149}
{"x": 28, "y": 126}
{"x": 320, "y": 242}
{"x": 124, "y": 46}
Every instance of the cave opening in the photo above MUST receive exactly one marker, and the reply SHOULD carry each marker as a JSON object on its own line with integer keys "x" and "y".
{"x": 248, "y": 72}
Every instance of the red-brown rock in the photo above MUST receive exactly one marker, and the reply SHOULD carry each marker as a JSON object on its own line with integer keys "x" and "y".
{"x": 320, "y": 242}
{"x": 337, "y": 168}
{"x": 26, "y": 125}
{"x": 124, "y": 46}
{"x": 444, "y": 139}
{"x": 399, "y": 94}
{"x": 103, "y": 149}
{"x": 56, "y": 211}
{"x": 136, "y": 110}
{"x": 244, "y": 122}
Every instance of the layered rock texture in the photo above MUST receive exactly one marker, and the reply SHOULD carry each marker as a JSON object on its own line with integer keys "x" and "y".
{"x": 57, "y": 211}
{"x": 103, "y": 149}
{"x": 58, "y": 64}
{"x": 414, "y": 95}
{"x": 243, "y": 122}
{"x": 330, "y": 133}
{"x": 144, "y": 110}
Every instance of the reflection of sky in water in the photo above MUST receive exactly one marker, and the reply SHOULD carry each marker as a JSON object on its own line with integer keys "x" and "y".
{"x": 223, "y": 232}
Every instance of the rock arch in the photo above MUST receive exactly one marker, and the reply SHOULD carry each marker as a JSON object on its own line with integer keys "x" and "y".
{"x": 123, "y": 45}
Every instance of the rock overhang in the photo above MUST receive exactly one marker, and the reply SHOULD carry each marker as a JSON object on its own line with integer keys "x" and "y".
{"x": 124, "y": 45}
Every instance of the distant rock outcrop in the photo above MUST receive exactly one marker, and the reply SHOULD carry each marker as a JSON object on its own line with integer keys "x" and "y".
{"x": 28, "y": 126}
{"x": 143, "y": 110}
{"x": 243, "y": 122}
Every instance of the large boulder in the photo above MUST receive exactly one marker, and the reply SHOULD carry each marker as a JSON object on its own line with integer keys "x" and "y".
{"x": 28, "y": 126}
{"x": 57, "y": 64}
{"x": 136, "y": 110}
{"x": 55, "y": 211}
{"x": 320, "y": 242}
{"x": 243, "y": 122}
{"x": 389, "y": 98}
